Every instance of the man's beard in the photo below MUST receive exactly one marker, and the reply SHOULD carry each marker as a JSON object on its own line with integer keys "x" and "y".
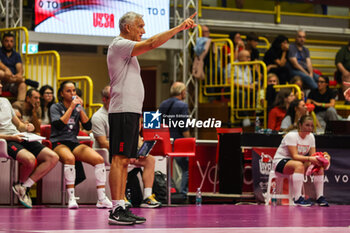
{"x": 7, "y": 50}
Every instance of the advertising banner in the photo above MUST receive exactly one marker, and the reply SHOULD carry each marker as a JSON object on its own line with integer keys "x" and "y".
{"x": 98, "y": 17}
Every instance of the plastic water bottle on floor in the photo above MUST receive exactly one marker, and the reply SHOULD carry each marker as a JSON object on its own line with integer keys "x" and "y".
{"x": 273, "y": 197}
{"x": 257, "y": 125}
{"x": 128, "y": 195}
{"x": 198, "y": 197}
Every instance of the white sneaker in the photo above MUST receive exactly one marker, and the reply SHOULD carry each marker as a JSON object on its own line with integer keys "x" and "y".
{"x": 72, "y": 203}
{"x": 23, "y": 195}
{"x": 105, "y": 203}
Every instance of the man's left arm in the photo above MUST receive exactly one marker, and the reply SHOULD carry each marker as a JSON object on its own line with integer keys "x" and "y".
{"x": 296, "y": 65}
{"x": 102, "y": 141}
{"x": 309, "y": 66}
{"x": 159, "y": 39}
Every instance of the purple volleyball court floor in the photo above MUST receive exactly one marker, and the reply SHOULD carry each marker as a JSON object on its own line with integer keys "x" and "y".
{"x": 188, "y": 218}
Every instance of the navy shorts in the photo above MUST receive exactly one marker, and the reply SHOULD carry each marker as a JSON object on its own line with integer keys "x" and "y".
{"x": 71, "y": 145}
{"x": 123, "y": 134}
{"x": 281, "y": 164}
{"x": 33, "y": 147}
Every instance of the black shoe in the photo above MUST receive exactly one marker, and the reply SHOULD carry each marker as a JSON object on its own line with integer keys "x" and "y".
{"x": 137, "y": 219}
{"x": 120, "y": 217}
{"x": 321, "y": 201}
{"x": 302, "y": 202}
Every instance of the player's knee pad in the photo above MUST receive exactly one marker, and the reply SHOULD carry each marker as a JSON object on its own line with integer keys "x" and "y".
{"x": 100, "y": 173}
{"x": 69, "y": 174}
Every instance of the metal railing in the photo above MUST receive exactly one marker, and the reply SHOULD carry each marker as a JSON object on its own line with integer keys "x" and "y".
{"x": 232, "y": 81}
{"x": 263, "y": 45}
{"x": 277, "y": 12}
{"x": 45, "y": 67}
{"x": 247, "y": 80}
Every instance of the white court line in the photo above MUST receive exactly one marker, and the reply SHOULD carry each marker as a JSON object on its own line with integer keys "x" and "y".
{"x": 205, "y": 230}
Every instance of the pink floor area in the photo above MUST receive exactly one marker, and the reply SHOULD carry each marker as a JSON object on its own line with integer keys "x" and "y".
{"x": 189, "y": 218}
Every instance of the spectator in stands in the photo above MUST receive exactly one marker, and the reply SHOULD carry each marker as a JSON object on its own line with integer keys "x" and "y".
{"x": 238, "y": 44}
{"x": 47, "y": 98}
{"x": 201, "y": 57}
{"x": 276, "y": 59}
{"x": 324, "y": 100}
{"x": 11, "y": 70}
{"x": 297, "y": 80}
{"x": 174, "y": 106}
{"x": 204, "y": 65}
{"x": 30, "y": 110}
{"x": 299, "y": 57}
{"x": 243, "y": 73}
{"x": 282, "y": 102}
{"x": 294, "y": 154}
{"x": 270, "y": 97}
{"x": 65, "y": 118}
{"x": 252, "y": 42}
{"x": 296, "y": 110}
{"x": 342, "y": 61}
{"x": 100, "y": 129}
{"x": 35, "y": 159}
{"x": 205, "y": 31}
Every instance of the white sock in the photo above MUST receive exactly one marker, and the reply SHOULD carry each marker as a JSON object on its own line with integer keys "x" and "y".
{"x": 28, "y": 183}
{"x": 298, "y": 180}
{"x": 318, "y": 183}
{"x": 101, "y": 194}
{"x": 71, "y": 193}
{"x": 117, "y": 203}
{"x": 147, "y": 192}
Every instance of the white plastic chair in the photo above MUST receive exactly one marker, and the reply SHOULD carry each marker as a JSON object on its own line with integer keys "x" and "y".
{"x": 279, "y": 177}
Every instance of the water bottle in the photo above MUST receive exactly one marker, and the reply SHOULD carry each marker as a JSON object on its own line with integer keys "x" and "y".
{"x": 78, "y": 107}
{"x": 128, "y": 195}
{"x": 257, "y": 125}
{"x": 274, "y": 198}
{"x": 198, "y": 197}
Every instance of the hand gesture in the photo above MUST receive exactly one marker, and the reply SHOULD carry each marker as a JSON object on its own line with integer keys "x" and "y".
{"x": 240, "y": 44}
{"x": 36, "y": 105}
{"x": 285, "y": 46}
{"x": 188, "y": 23}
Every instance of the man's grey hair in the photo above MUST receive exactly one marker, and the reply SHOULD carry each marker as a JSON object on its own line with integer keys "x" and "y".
{"x": 301, "y": 30}
{"x": 177, "y": 88}
{"x": 128, "y": 18}
{"x": 105, "y": 91}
